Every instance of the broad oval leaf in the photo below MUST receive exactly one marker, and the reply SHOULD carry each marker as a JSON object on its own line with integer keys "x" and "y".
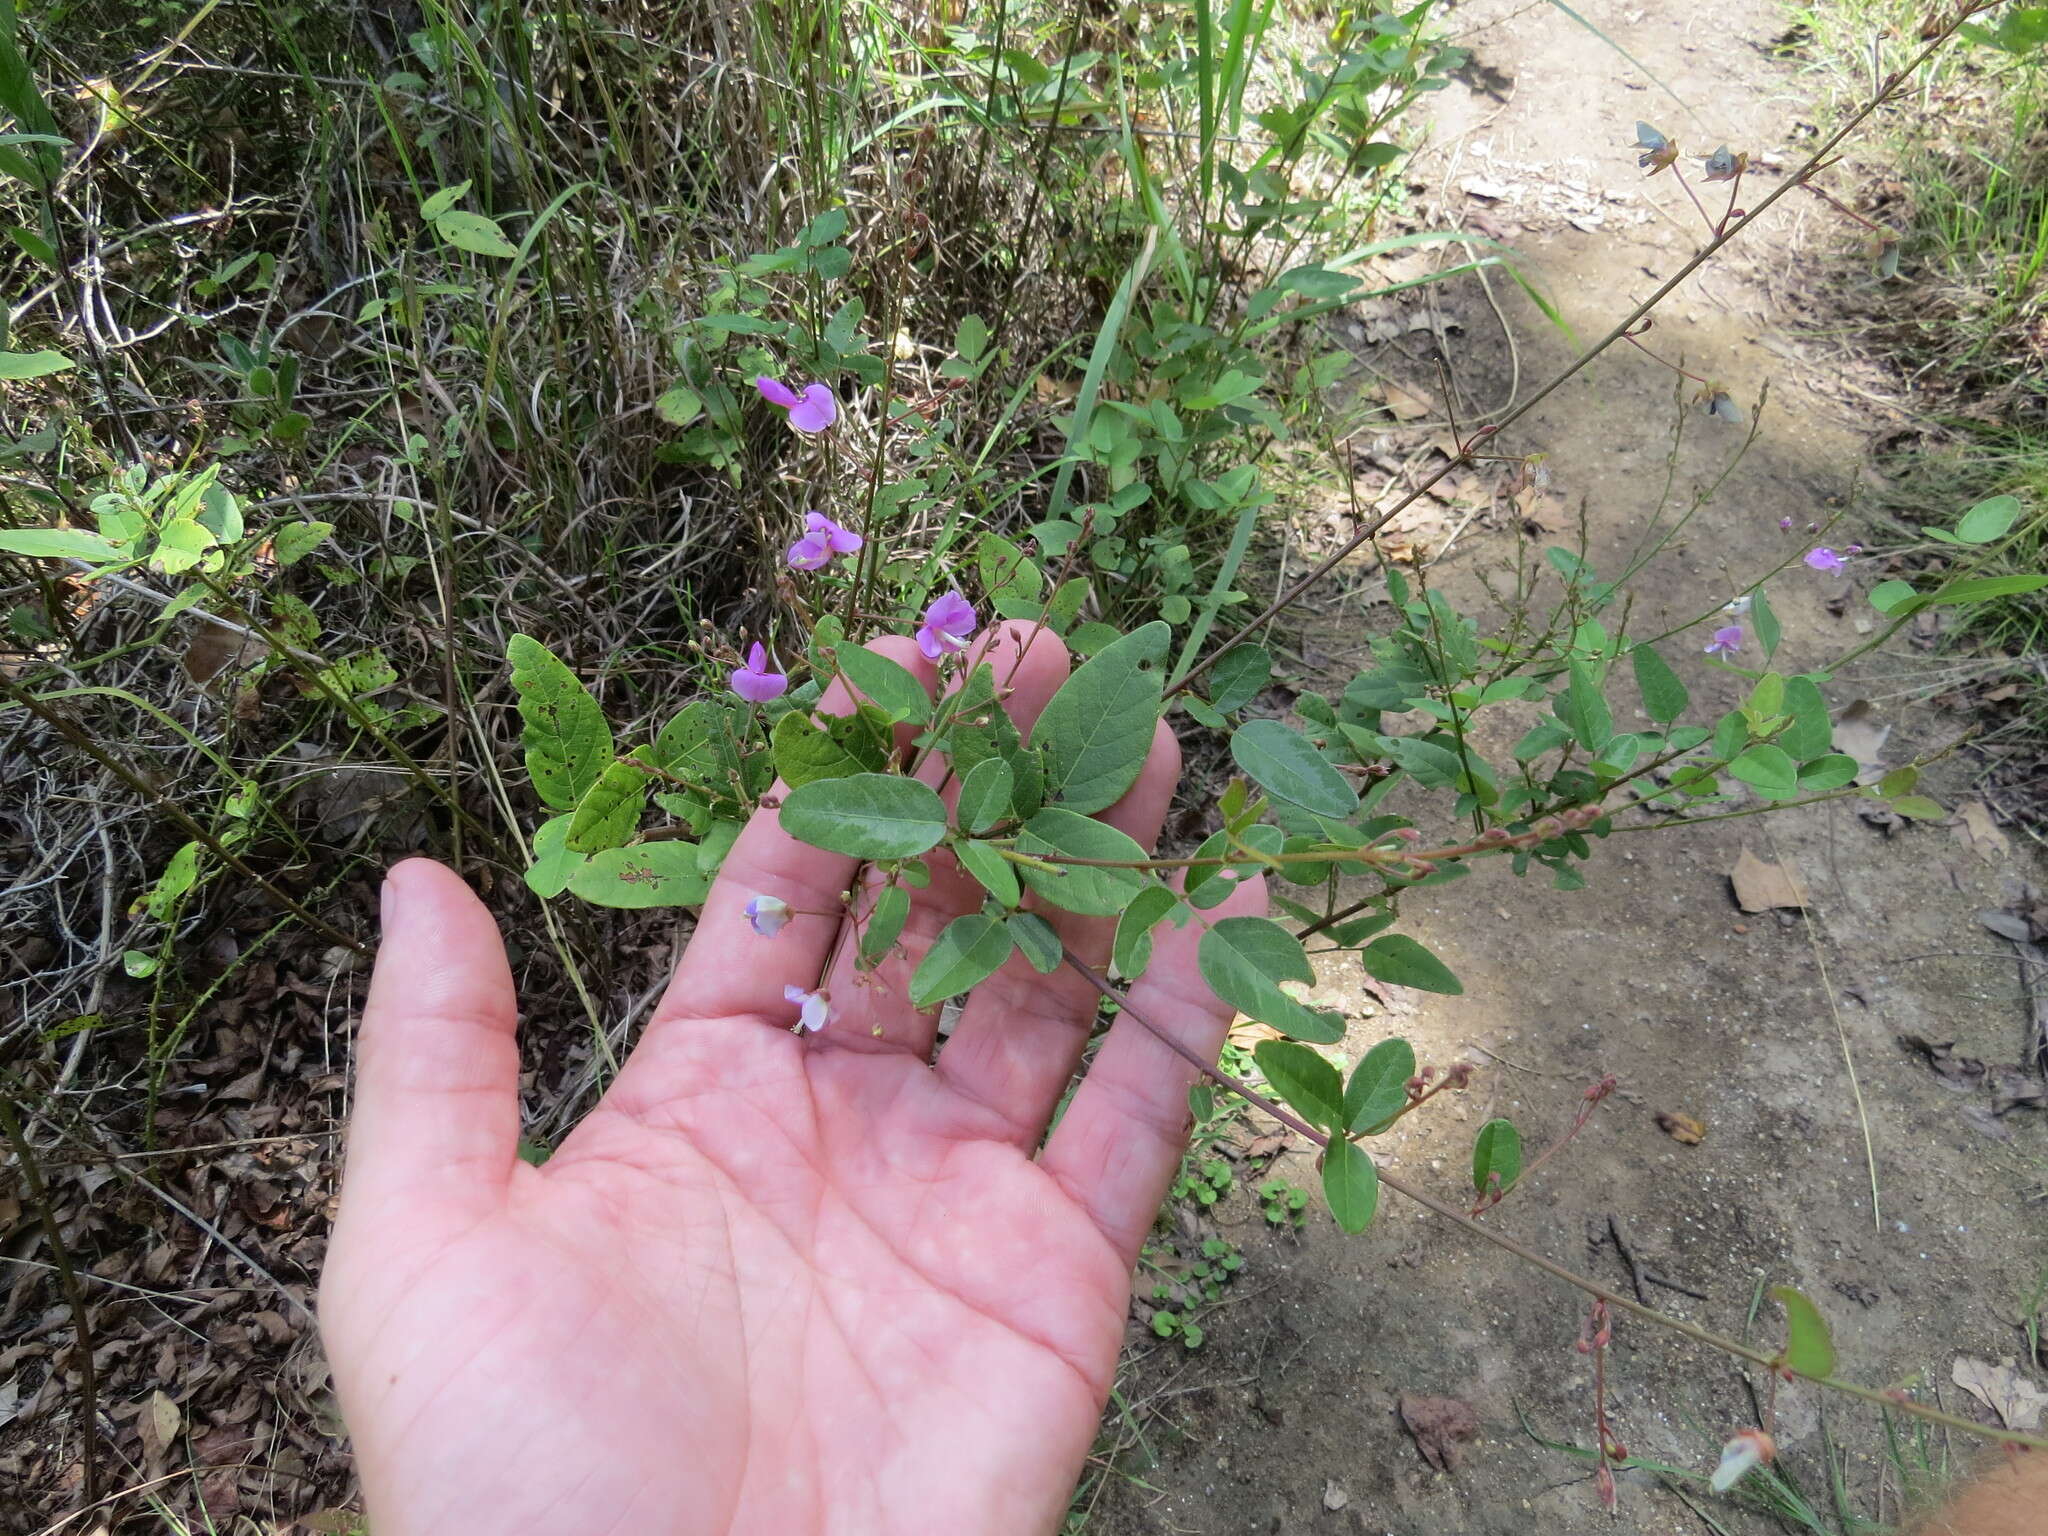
{"x": 1809, "y": 1347}
{"x": 1497, "y": 1153}
{"x": 1988, "y": 519}
{"x": 985, "y": 794}
{"x": 1304, "y": 1080}
{"x": 1080, "y": 888}
{"x": 663, "y": 874}
{"x": 1285, "y": 764}
{"x": 1830, "y": 772}
{"x": 885, "y": 921}
{"x": 553, "y": 863}
{"x": 1132, "y": 950}
{"x": 474, "y": 232}
{"x": 1237, "y": 675}
{"x": 33, "y": 365}
{"x": 967, "y": 953}
{"x": 1036, "y": 941}
{"x": 1097, "y": 730}
{"x": 1397, "y": 958}
{"x": 1244, "y": 960}
{"x": 996, "y": 874}
{"x": 832, "y": 746}
{"x": 1664, "y": 696}
{"x": 1378, "y": 1089}
{"x": 609, "y": 812}
{"x": 1811, "y": 733}
{"x": 866, "y": 815}
{"x": 888, "y": 684}
{"x": 1351, "y": 1185}
{"x": 1585, "y": 710}
{"x": 1768, "y": 771}
{"x": 568, "y": 743}
{"x": 59, "y": 544}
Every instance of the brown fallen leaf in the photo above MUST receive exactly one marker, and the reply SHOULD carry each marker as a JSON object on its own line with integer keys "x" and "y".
{"x": 1859, "y": 734}
{"x": 1681, "y": 1128}
{"x": 1976, "y": 830}
{"x": 1759, "y": 887}
{"x": 2001, "y": 1388}
{"x": 1439, "y": 1425}
{"x": 1406, "y": 404}
{"x": 215, "y": 647}
{"x": 1964, "y": 1072}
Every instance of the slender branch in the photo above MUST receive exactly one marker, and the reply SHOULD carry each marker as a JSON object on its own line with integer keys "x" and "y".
{"x": 1529, "y": 1255}
{"x": 1663, "y": 291}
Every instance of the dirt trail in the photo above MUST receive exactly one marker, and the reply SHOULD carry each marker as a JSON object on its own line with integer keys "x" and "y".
{"x": 1286, "y": 1421}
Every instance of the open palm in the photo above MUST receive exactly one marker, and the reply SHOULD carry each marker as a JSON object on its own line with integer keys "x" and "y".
{"x": 773, "y": 1282}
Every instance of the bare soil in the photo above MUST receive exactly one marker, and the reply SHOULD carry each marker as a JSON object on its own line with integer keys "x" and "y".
{"x": 1286, "y": 1420}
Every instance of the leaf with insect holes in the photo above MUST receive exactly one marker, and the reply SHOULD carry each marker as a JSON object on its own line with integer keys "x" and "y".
{"x": 1304, "y": 1080}
{"x": 1809, "y": 1348}
{"x": 59, "y": 544}
{"x": 443, "y": 200}
{"x": 1080, "y": 888}
{"x": 1351, "y": 1185}
{"x": 663, "y": 874}
{"x": 1245, "y": 959}
{"x": 292, "y": 542}
{"x": 1378, "y": 1089}
{"x": 967, "y": 953}
{"x": 474, "y": 232}
{"x": 1664, "y": 696}
{"x": 1404, "y": 962}
{"x": 1497, "y": 1153}
{"x": 568, "y": 743}
{"x": 1097, "y": 730}
{"x": 832, "y": 746}
{"x": 181, "y": 873}
{"x": 1285, "y": 764}
{"x": 866, "y": 815}
{"x": 609, "y": 812}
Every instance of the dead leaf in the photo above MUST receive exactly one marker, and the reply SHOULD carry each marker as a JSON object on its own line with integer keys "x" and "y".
{"x": 1681, "y": 1128}
{"x": 1439, "y": 1425}
{"x": 1760, "y": 887}
{"x": 1334, "y": 1496}
{"x": 2007, "y": 924}
{"x": 1976, "y": 830}
{"x": 2001, "y": 1388}
{"x": 160, "y": 1423}
{"x": 1964, "y": 1072}
{"x": 1858, "y": 733}
{"x": 215, "y": 647}
{"x": 2014, "y": 1088}
{"x": 1406, "y": 404}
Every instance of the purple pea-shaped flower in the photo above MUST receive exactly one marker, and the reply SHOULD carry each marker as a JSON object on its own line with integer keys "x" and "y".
{"x": 948, "y": 627}
{"x": 1726, "y": 642}
{"x": 757, "y": 682}
{"x": 822, "y": 539}
{"x": 811, "y": 409}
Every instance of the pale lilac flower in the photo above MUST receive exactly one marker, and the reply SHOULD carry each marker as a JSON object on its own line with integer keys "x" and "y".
{"x": 1824, "y": 559}
{"x": 811, "y": 1007}
{"x": 822, "y": 539}
{"x": 948, "y": 626}
{"x": 755, "y": 682}
{"x": 1738, "y": 605}
{"x": 1785, "y": 524}
{"x": 1746, "y": 1450}
{"x": 767, "y": 914}
{"x": 1726, "y": 642}
{"x": 811, "y": 409}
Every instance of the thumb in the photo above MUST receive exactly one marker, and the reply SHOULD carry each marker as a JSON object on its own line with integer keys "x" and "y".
{"x": 436, "y": 1110}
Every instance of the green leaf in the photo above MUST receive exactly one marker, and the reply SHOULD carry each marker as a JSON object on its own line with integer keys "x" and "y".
{"x": 697, "y": 744}
{"x": 1244, "y": 960}
{"x": 475, "y": 233}
{"x": 1079, "y": 887}
{"x": 1981, "y": 589}
{"x": 1988, "y": 519}
{"x": 1284, "y": 763}
{"x": 1497, "y": 1151}
{"x": 1351, "y": 1185}
{"x": 1809, "y": 1348}
{"x": 968, "y": 952}
{"x": 832, "y": 746}
{"x": 663, "y": 874}
{"x": 679, "y": 405}
{"x": 443, "y": 200}
{"x": 33, "y": 365}
{"x": 568, "y": 744}
{"x": 1810, "y": 734}
{"x": 1919, "y": 808}
{"x": 1378, "y": 1089}
{"x": 1238, "y": 675}
{"x": 1830, "y": 772}
{"x": 885, "y": 922}
{"x": 181, "y": 873}
{"x": 1898, "y": 782}
{"x": 970, "y": 340}
{"x": 609, "y": 812}
{"x": 553, "y": 863}
{"x": 887, "y": 683}
{"x": 866, "y": 815}
{"x": 1132, "y": 951}
{"x": 1097, "y": 730}
{"x": 1888, "y": 595}
{"x": 1586, "y": 709}
{"x": 1006, "y": 571}
{"x": 1664, "y": 696}
{"x": 1768, "y": 630}
{"x": 1036, "y": 941}
{"x": 985, "y": 792}
{"x": 292, "y": 542}
{"x": 1399, "y": 959}
{"x": 1767, "y": 770}
{"x": 59, "y": 544}
{"x": 996, "y": 874}
{"x": 1304, "y": 1080}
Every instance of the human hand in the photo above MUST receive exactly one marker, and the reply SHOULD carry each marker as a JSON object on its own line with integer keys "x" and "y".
{"x": 772, "y": 1283}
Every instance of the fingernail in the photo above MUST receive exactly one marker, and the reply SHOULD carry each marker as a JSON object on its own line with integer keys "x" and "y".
{"x": 389, "y": 900}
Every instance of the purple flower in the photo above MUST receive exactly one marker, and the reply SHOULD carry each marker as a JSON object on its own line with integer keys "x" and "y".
{"x": 767, "y": 914}
{"x": 948, "y": 626}
{"x": 1824, "y": 559}
{"x": 755, "y": 682}
{"x": 1726, "y": 641}
{"x": 811, "y": 1007}
{"x": 822, "y": 539}
{"x": 811, "y": 409}
{"x": 1785, "y": 524}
